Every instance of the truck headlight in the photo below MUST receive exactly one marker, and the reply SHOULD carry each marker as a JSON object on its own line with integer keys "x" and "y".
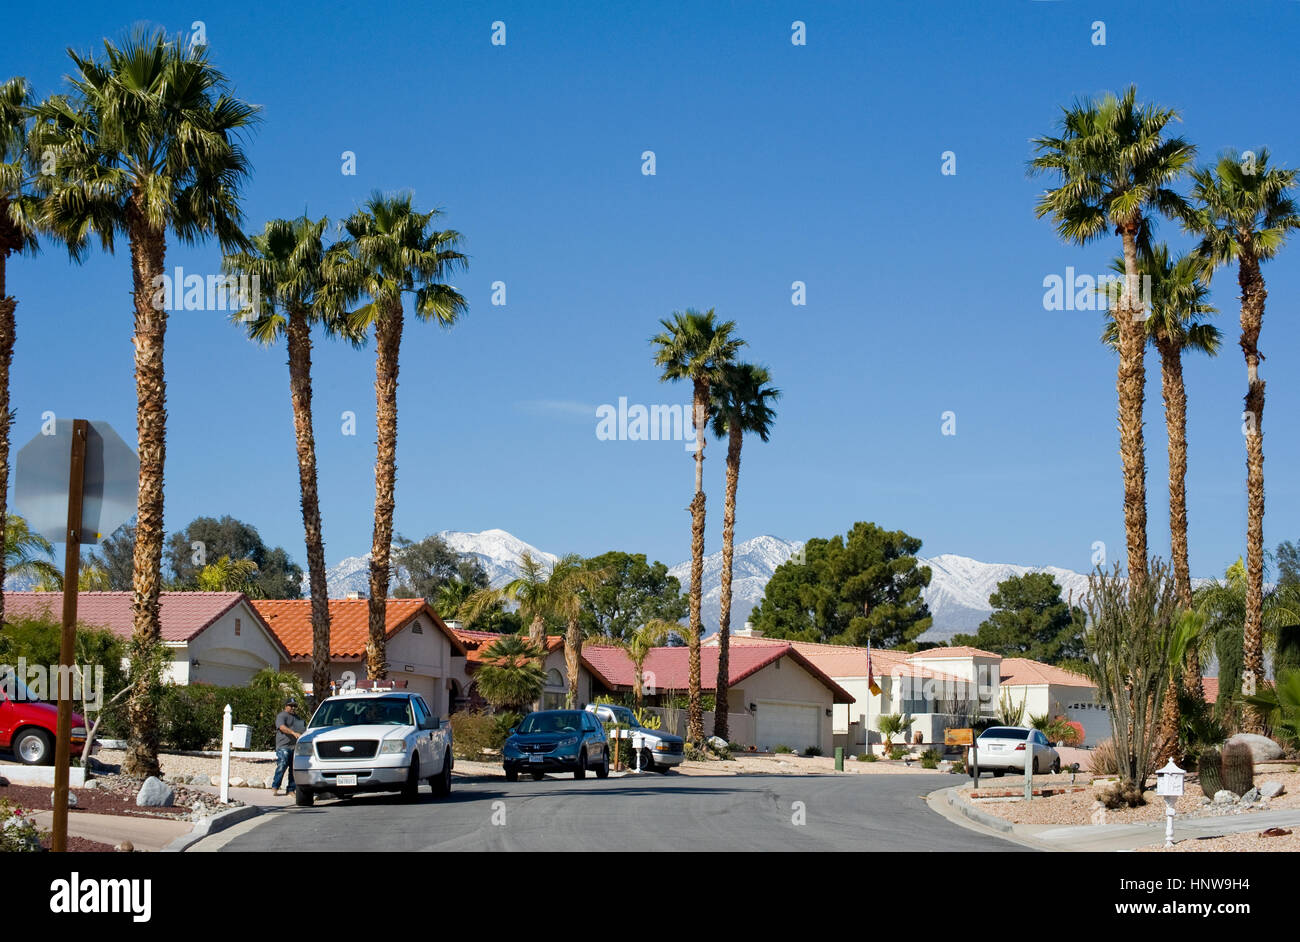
{"x": 78, "y": 732}
{"x": 661, "y": 747}
{"x": 302, "y": 749}
{"x": 392, "y": 746}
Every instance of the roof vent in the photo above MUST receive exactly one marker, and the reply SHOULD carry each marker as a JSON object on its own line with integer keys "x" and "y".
{"x": 355, "y": 595}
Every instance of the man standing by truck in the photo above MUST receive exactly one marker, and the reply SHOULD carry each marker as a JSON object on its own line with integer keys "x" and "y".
{"x": 289, "y": 727}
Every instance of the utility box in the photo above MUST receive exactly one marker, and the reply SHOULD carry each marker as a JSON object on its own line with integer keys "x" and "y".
{"x": 241, "y": 736}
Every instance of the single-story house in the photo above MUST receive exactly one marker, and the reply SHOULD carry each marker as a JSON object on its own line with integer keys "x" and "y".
{"x": 216, "y": 638}
{"x": 422, "y": 650}
{"x": 936, "y": 687}
{"x": 776, "y": 696}
{"x": 557, "y": 673}
{"x": 1052, "y": 691}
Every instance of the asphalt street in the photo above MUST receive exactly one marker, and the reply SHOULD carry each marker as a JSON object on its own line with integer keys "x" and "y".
{"x": 872, "y": 813}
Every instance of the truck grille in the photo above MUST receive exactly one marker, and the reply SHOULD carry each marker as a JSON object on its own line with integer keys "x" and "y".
{"x": 337, "y": 748}
{"x": 674, "y": 748}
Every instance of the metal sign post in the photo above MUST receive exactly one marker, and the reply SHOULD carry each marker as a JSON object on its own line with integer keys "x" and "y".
{"x": 68, "y": 635}
{"x": 73, "y": 481}
{"x": 1029, "y": 769}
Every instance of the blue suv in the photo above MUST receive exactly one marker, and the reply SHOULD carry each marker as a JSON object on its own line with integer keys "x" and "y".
{"x": 557, "y": 741}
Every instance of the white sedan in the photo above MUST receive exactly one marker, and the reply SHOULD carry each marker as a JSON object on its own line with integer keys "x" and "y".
{"x": 1000, "y": 749}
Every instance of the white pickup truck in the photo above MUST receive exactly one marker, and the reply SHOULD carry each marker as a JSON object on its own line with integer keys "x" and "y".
{"x": 660, "y": 751}
{"x": 372, "y": 741}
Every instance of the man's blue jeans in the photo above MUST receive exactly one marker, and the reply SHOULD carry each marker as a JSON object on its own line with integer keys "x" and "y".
{"x": 283, "y": 767}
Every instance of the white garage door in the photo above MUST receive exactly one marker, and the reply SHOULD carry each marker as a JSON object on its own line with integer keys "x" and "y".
{"x": 796, "y": 725}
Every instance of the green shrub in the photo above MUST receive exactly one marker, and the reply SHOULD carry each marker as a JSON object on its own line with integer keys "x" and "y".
{"x": 868, "y": 757}
{"x": 958, "y": 767}
{"x": 190, "y": 716}
{"x": 735, "y": 747}
{"x": 502, "y": 724}
{"x": 929, "y": 763}
{"x": 932, "y": 754}
{"x": 472, "y": 733}
{"x": 812, "y": 751}
{"x": 781, "y": 750}
{"x": 897, "y": 752}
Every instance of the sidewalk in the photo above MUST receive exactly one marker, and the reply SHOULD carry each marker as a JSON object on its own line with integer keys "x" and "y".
{"x": 1108, "y": 837}
{"x": 149, "y": 834}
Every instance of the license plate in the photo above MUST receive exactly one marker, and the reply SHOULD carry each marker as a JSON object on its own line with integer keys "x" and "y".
{"x": 534, "y": 758}
{"x": 995, "y": 748}
{"x": 345, "y": 780}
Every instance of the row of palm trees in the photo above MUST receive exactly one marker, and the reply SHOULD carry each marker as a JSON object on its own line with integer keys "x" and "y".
{"x": 733, "y": 398}
{"x": 147, "y": 143}
{"x": 1117, "y": 168}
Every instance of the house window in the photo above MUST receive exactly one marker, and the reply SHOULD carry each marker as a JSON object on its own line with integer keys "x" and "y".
{"x": 236, "y": 627}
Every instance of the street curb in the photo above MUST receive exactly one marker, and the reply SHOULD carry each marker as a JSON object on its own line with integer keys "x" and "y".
{"x": 979, "y": 817}
{"x": 213, "y": 825}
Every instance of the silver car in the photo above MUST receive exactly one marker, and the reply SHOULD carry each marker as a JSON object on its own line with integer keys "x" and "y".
{"x": 1000, "y": 749}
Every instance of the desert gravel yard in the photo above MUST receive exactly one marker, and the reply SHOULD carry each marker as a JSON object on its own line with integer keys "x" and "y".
{"x": 256, "y": 773}
{"x": 1079, "y": 808}
{"x": 1251, "y": 841}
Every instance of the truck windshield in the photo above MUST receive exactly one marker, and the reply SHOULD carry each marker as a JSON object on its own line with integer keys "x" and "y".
{"x": 381, "y": 711}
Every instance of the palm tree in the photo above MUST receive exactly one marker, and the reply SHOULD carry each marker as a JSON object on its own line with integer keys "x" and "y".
{"x": 531, "y": 592}
{"x": 1178, "y": 300}
{"x": 638, "y": 646}
{"x": 232, "y": 575}
{"x": 696, "y": 347}
{"x": 511, "y": 674}
{"x": 741, "y": 403}
{"x": 288, "y": 264}
{"x": 146, "y": 145}
{"x": 1115, "y": 168}
{"x": 393, "y": 252}
{"x": 1244, "y": 212}
{"x": 570, "y": 583}
{"x": 452, "y": 596}
{"x": 17, "y": 235}
{"x": 29, "y": 555}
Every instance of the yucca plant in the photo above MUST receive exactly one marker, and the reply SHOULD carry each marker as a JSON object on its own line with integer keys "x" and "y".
{"x": 891, "y": 725}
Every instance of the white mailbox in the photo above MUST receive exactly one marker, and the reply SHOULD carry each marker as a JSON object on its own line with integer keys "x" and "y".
{"x": 1169, "y": 780}
{"x": 241, "y": 736}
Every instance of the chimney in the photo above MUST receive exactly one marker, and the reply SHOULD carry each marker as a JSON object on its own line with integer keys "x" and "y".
{"x": 749, "y": 631}
{"x": 355, "y": 595}
{"x": 452, "y": 623}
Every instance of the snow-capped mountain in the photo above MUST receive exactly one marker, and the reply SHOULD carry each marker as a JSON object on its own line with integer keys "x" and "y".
{"x": 958, "y": 594}
{"x": 500, "y": 553}
{"x": 752, "y": 565}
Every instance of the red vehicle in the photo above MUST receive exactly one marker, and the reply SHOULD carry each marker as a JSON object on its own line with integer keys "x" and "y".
{"x": 28, "y": 725}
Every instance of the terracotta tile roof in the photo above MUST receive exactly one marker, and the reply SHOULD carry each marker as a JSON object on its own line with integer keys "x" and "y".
{"x": 845, "y": 661}
{"x": 671, "y": 669}
{"x": 956, "y": 651}
{"x": 183, "y": 615}
{"x": 482, "y": 640}
{"x": 1210, "y": 686}
{"x": 1021, "y": 671}
{"x": 290, "y": 621}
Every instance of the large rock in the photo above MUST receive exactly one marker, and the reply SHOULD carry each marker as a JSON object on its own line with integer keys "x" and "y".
{"x": 1225, "y": 797}
{"x": 72, "y": 799}
{"x": 1250, "y": 797}
{"x": 1272, "y": 789}
{"x": 1261, "y": 747}
{"x": 201, "y": 779}
{"x": 236, "y": 781}
{"x": 155, "y": 793}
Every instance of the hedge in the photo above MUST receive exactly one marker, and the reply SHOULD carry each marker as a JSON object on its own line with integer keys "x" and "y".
{"x": 191, "y": 715}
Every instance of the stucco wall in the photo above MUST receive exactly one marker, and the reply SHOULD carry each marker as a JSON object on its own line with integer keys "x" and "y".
{"x": 787, "y": 681}
{"x": 231, "y": 650}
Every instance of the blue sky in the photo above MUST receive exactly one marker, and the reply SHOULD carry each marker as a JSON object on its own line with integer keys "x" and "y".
{"x": 774, "y": 163}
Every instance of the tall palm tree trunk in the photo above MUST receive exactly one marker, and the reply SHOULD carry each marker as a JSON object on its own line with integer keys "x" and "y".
{"x": 735, "y": 437}
{"x": 537, "y": 632}
{"x": 1253, "y": 295}
{"x": 299, "y": 339}
{"x": 388, "y": 342}
{"x": 1131, "y": 385}
{"x": 148, "y": 257}
{"x": 7, "y": 324}
{"x": 694, "y": 711}
{"x": 572, "y": 654}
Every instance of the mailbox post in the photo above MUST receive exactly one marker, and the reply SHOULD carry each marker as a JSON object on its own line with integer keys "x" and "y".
{"x": 1169, "y": 786}
{"x": 636, "y": 751}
